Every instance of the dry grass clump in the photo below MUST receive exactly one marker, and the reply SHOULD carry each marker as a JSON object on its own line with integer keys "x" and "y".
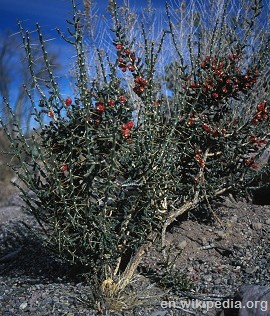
{"x": 6, "y": 174}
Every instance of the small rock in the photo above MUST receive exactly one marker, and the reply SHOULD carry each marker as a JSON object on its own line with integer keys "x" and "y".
{"x": 204, "y": 241}
{"x": 217, "y": 281}
{"x": 237, "y": 269}
{"x": 207, "y": 278}
{"x": 23, "y": 306}
{"x": 251, "y": 270}
{"x": 253, "y": 293}
{"x": 257, "y": 226}
{"x": 182, "y": 244}
{"x": 267, "y": 221}
{"x": 234, "y": 218}
{"x": 221, "y": 233}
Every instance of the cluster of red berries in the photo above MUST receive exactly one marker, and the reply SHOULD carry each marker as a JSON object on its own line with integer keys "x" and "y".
{"x": 257, "y": 141}
{"x": 191, "y": 119}
{"x": 140, "y": 85}
{"x": 101, "y": 106}
{"x": 199, "y": 159}
{"x": 210, "y": 130}
{"x": 126, "y": 128}
{"x": 126, "y": 58}
{"x": 51, "y": 113}
{"x": 126, "y": 61}
{"x": 223, "y": 79}
{"x": 251, "y": 164}
{"x": 261, "y": 113}
{"x": 217, "y": 65}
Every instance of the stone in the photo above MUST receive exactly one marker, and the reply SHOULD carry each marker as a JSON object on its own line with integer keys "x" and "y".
{"x": 221, "y": 233}
{"x": 251, "y": 270}
{"x": 257, "y": 226}
{"x": 23, "y": 306}
{"x": 182, "y": 244}
{"x": 254, "y": 293}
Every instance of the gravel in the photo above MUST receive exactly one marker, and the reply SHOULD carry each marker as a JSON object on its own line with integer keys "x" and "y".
{"x": 217, "y": 263}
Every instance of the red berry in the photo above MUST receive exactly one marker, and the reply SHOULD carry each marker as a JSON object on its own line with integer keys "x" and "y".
{"x": 215, "y": 133}
{"x": 255, "y": 121}
{"x": 64, "y": 168}
{"x": 219, "y": 72}
{"x": 119, "y": 46}
{"x": 100, "y": 107}
{"x": 126, "y": 133}
{"x": 139, "y": 89}
{"x": 129, "y": 125}
{"x": 206, "y": 127}
{"x": 215, "y": 95}
{"x": 51, "y": 114}
{"x": 191, "y": 121}
{"x": 97, "y": 122}
{"x": 264, "y": 117}
{"x": 122, "y": 99}
{"x": 68, "y": 101}
{"x": 193, "y": 85}
{"x": 224, "y": 90}
{"x": 252, "y": 139}
{"x": 261, "y": 106}
{"x": 138, "y": 80}
{"x": 111, "y": 102}
{"x": 203, "y": 64}
{"x": 258, "y": 116}
{"x": 221, "y": 64}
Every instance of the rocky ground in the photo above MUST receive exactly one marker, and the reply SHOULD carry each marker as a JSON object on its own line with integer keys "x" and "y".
{"x": 209, "y": 261}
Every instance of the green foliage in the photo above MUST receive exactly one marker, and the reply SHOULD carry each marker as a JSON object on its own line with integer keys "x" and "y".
{"x": 104, "y": 181}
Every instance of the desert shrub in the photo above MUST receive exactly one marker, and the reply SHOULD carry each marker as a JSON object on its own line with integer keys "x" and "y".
{"x": 120, "y": 161}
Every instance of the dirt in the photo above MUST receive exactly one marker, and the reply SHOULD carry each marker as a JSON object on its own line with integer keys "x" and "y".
{"x": 207, "y": 253}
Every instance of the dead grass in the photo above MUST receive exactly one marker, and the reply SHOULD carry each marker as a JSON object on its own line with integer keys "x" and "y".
{"x": 6, "y": 174}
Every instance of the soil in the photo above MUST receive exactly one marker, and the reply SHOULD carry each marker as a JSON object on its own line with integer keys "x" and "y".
{"x": 208, "y": 256}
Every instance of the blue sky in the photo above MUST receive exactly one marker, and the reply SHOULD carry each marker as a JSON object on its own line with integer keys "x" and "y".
{"x": 49, "y": 13}
{"x": 52, "y": 14}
